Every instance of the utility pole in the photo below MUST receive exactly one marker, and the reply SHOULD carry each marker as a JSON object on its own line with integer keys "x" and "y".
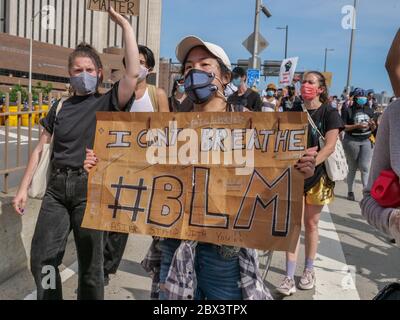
{"x": 286, "y": 42}
{"x": 326, "y": 57}
{"x": 349, "y": 71}
{"x": 31, "y": 49}
{"x": 256, "y": 32}
{"x": 287, "y": 39}
{"x": 259, "y": 7}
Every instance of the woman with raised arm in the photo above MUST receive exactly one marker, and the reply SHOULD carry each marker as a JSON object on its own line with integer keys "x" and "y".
{"x": 63, "y": 206}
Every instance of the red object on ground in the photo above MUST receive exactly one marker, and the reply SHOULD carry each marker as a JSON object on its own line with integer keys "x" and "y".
{"x": 386, "y": 189}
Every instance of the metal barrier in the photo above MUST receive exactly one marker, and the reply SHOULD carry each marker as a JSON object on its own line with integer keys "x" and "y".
{"x": 15, "y": 118}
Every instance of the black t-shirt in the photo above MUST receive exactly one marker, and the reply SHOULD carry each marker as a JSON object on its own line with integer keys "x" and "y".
{"x": 249, "y": 99}
{"x": 75, "y": 126}
{"x": 325, "y": 118}
{"x": 185, "y": 106}
{"x": 289, "y": 105}
{"x": 357, "y": 115}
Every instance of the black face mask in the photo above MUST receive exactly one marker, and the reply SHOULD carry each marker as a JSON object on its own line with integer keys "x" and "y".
{"x": 199, "y": 87}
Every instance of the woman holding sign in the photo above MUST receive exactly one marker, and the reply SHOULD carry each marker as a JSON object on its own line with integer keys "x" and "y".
{"x": 196, "y": 270}
{"x": 318, "y": 188}
{"x": 72, "y": 129}
{"x": 221, "y": 272}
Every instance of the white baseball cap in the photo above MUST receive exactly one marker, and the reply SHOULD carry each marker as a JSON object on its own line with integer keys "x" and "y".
{"x": 188, "y": 43}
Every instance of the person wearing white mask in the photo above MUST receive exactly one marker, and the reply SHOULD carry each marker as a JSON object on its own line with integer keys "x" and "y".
{"x": 148, "y": 98}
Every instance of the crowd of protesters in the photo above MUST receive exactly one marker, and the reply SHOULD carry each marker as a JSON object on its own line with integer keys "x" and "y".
{"x": 188, "y": 269}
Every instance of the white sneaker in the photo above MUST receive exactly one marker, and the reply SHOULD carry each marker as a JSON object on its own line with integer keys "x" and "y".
{"x": 307, "y": 281}
{"x": 287, "y": 287}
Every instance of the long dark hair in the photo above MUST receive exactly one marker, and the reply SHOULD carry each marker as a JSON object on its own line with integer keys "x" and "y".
{"x": 324, "y": 96}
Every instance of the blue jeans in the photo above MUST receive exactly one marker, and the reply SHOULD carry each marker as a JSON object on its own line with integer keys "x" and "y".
{"x": 218, "y": 278}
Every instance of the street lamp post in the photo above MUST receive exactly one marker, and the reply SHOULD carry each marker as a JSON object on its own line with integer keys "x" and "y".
{"x": 351, "y": 47}
{"x": 259, "y": 7}
{"x": 326, "y": 57}
{"x": 287, "y": 37}
{"x": 256, "y": 30}
{"x": 31, "y": 48}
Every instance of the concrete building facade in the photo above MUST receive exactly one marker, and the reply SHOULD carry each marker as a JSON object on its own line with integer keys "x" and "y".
{"x": 73, "y": 23}
{"x": 169, "y": 71}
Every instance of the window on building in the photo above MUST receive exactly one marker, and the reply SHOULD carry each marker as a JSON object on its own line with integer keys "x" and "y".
{"x": 35, "y": 76}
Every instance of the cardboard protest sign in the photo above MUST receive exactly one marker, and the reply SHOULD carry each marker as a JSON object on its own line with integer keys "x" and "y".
{"x": 223, "y": 178}
{"x": 328, "y": 77}
{"x": 126, "y": 7}
{"x": 288, "y": 68}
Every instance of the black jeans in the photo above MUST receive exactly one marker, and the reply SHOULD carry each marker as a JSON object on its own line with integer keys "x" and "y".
{"x": 114, "y": 247}
{"x": 62, "y": 210}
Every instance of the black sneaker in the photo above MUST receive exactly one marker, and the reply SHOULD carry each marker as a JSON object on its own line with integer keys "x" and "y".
{"x": 106, "y": 280}
{"x": 350, "y": 196}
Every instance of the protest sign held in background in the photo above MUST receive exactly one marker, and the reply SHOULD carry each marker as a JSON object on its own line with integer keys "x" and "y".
{"x": 223, "y": 178}
{"x": 125, "y": 7}
{"x": 328, "y": 77}
{"x": 288, "y": 68}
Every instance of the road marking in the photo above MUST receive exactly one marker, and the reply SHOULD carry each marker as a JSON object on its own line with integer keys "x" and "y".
{"x": 15, "y": 136}
{"x": 65, "y": 275}
{"x": 15, "y": 141}
{"x": 33, "y": 129}
{"x": 335, "y": 279}
{"x": 9, "y": 141}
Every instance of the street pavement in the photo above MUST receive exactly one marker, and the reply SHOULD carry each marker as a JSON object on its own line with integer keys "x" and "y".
{"x": 354, "y": 262}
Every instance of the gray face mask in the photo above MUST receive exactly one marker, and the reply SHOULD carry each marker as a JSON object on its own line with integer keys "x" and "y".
{"x": 84, "y": 83}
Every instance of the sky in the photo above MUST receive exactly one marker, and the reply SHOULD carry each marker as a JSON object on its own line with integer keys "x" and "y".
{"x": 313, "y": 26}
